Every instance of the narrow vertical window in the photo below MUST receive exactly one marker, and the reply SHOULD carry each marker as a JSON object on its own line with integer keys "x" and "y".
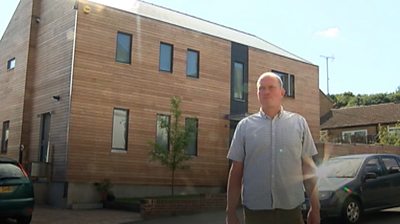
{"x": 124, "y": 48}
{"x": 162, "y": 135}
{"x": 192, "y": 63}
{"x": 120, "y": 129}
{"x": 238, "y": 81}
{"x": 191, "y": 125}
{"x": 292, "y": 85}
{"x": 44, "y": 136}
{"x": 166, "y": 57}
{"x": 11, "y": 64}
{"x": 4, "y": 136}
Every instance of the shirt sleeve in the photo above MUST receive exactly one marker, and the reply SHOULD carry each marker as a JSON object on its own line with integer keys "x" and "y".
{"x": 309, "y": 148}
{"x": 237, "y": 149}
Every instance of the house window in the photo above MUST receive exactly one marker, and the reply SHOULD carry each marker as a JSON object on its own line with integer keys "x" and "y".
{"x": 120, "y": 129}
{"x": 162, "y": 135}
{"x": 288, "y": 83}
{"x": 166, "y": 55}
{"x": 238, "y": 81}
{"x": 191, "y": 125}
{"x": 355, "y": 136}
{"x": 11, "y": 64}
{"x": 5, "y": 136}
{"x": 192, "y": 63}
{"x": 124, "y": 48}
{"x": 394, "y": 131}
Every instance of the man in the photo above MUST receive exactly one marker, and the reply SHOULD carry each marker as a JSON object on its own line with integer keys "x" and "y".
{"x": 271, "y": 153}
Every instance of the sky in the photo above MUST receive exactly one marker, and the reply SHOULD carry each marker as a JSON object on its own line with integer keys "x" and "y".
{"x": 360, "y": 39}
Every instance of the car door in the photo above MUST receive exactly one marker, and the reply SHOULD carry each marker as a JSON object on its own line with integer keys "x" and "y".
{"x": 374, "y": 190}
{"x": 391, "y": 167}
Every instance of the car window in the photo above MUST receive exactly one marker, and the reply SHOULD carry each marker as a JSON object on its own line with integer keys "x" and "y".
{"x": 340, "y": 167}
{"x": 10, "y": 170}
{"x": 373, "y": 166}
{"x": 389, "y": 162}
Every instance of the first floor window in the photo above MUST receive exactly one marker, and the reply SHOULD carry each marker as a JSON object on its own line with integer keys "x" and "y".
{"x": 288, "y": 83}
{"x": 238, "y": 81}
{"x": 191, "y": 125}
{"x": 162, "y": 135}
{"x": 11, "y": 64}
{"x": 120, "y": 129}
{"x": 356, "y": 136}
{"x": 166, "y": 57}
{"x": 192, "y": 63}
{"x": 4, "y": 136}
{"x": 124, "y": 48}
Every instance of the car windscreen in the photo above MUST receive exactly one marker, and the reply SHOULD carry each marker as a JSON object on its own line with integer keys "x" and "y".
{"x": 340, "y": 167}
{"x": 8, "y": 170}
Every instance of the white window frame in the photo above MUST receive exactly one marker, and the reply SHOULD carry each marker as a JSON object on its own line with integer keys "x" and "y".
{"x": 120, "y": 125}
{"x": 394, "y": 130}
{"x": 352, "y": 132}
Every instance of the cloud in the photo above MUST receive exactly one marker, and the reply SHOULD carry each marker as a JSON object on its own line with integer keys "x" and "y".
{"x": 329, "y": 33}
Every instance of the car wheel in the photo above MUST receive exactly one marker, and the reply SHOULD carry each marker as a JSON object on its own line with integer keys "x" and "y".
{"x": 351, "y": 211}
{"x": 24, "y": 219}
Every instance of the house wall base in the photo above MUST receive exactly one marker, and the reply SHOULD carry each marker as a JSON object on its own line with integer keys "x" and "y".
{"x": 49, "y": 193}
{"x": 85, "y": 193}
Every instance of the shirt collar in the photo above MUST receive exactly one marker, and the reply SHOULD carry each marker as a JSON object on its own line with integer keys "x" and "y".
{"x": 279, "y": 115}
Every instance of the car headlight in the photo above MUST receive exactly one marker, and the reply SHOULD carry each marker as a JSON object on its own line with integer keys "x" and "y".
{"x": 323, "y": 195}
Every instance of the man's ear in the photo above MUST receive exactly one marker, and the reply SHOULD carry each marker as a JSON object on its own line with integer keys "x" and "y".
{"x": 283, "y": 91}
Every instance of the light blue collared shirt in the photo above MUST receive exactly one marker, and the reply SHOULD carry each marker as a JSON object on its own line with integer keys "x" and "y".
{"x": 271, "y": 150}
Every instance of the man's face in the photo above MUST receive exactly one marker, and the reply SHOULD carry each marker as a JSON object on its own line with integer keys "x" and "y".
{"x": 269, "y": 92}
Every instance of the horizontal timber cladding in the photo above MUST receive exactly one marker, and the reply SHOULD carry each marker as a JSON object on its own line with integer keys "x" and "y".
{"x": 101, "y": 84}
{"x": 14, "y": 44}
{"x": 306, "y": 100}
{"x": 50, "y": 61}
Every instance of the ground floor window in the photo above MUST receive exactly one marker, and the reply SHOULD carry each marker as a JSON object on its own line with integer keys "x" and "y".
{"x": 354, "y": 136}
{"x": 120, "y": 129}
{"x": 4, "y": 136}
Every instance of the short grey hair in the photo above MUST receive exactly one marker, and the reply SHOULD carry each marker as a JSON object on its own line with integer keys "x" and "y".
{"x": 269, "y": 74}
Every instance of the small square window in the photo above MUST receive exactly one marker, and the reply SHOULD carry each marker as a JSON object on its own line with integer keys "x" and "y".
{"x": 11, "y": 64}
{"x": 288, "y": 83}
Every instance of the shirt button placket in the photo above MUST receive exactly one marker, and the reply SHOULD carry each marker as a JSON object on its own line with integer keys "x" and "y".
{"x": 273, "y": 162}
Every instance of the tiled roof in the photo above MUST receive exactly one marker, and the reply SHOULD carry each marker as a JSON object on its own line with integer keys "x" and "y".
{"x": 177, "y": 18}
{"x": 363, "y": 115}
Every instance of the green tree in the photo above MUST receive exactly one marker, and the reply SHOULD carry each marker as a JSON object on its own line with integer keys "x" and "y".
{"x": 387, "y": 138}
{"x": 174, "y": 158}
{"x": 342, "y": 100}
{"x": 348, "y": 99}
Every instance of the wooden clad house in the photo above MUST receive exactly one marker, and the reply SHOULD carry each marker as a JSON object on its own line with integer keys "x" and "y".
{"x": 83, "y": 87}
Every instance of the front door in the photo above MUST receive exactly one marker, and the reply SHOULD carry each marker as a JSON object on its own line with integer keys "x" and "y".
{"x": 44, "y": 137}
